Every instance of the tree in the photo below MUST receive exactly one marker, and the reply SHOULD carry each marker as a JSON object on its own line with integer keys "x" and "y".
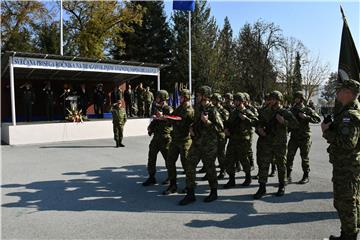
{"x": 314, "y": 75}
{"x": 48, "y": 38}
{"x": 149, "y": 42}
{"x": 19, "y": 19}
{"x": 224, "y": 65}
{"x": 95, "y": 26}
{"x": 329, "y": 91}
{"x": 297, "y": 82}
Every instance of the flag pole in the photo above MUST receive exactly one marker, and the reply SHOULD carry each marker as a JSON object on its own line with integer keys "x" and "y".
{"x": 190, "y": 85}
{"x": 61, "y": 28}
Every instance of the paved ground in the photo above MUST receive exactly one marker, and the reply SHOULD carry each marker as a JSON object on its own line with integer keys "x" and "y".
{"x": 90, "y": 190}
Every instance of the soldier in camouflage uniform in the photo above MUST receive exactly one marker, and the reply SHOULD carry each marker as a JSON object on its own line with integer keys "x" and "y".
{"x": 344, "y": 151}
{"x": 255, "y": 112}
{"x": 273, "y": 126}
{"x": 161, "y": 129}
{"x": 205, "y": 131}
{"x": 300, "y": 137}
{"x": 148, "y": 100}
{"x": 238, "y": 129}
{"x": 181, "y": 139}
{"x": 228, "y": 103}
{"x": 140, "y": 92}
{"x": 216, "y": 101}
{"x": 119, "y": 120}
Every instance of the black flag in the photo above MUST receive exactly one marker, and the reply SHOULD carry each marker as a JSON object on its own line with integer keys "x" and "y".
{"x": 349, "y": 62}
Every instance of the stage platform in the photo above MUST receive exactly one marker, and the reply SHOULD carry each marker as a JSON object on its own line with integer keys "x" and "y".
{"x": 47, "y": 132}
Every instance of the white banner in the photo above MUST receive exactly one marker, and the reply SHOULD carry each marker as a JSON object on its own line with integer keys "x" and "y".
{"x": 22, "y": 62}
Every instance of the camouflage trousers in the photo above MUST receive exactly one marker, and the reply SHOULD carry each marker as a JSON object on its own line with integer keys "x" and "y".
{"x": 272, "y": 153}
{"x": 207, "y": 154}
{"x": 221, "y": 152}
{"x": 347, "y": 199}
{"x": 176, "y": 148}
{"x": 157, "y": 144}
{"x": 237, "y": 150}
{"x": 250, "y": 151}
{"x": 118, "y": 132}
{"x": 304, "y": 144}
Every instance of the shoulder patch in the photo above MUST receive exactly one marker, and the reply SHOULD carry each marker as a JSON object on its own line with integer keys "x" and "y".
{"x": 346, "y": 119}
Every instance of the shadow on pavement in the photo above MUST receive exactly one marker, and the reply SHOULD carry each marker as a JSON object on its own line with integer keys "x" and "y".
{"x": 72, "y": 146}
{"x": 120, "y": 189}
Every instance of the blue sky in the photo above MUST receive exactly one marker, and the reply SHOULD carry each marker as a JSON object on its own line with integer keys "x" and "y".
{"x": 317, "y": 24}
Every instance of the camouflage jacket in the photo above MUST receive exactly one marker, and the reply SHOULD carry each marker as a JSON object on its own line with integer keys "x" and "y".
{"x": 343, "y": 136}
{"x": 181, "y": 128}
{"x": 207, "y": 133}
{"x": 161, "y": 128}
{"x": 229, "y": 107}
{"x": 148, "y": 96}
{"x": 276, "y": 133}
{"x": 118, "y": 115}
{"x": 240, "y": 129}
{"x": 224, "y": 117}
{"x": 303, "y": 131}
{"x": 253, "y": 110}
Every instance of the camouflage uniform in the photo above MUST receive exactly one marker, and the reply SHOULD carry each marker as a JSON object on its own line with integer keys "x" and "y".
{"x": 204, "y": 146}
{"x": 119, "y": 120}
{"x": 301, "y": 138}
{"x": 181, "y": 140}
{"x": 256, "y": 114}
{"x": 344, "y": 150}
{"x": 148, "y": 100}
{"x": 221, "y": 137}
{"x": 161, "y": 128}
{"x": 140, "y": 101}
{"x": 274, "y": 145}
{"x": 239, "y": 141}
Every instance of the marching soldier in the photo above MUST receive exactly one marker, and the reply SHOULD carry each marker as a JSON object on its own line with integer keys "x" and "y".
{"x": 216, "y": 101}
{"x": 181, "y": 140}
{"x": 205, "y": 130}
{"x": 344, "y": 151}
{"x": 273, "y": 126}
{"x": 300, "y": 137}
{"x": 238, "y": 129}
{"x": 249, "y": 106}
{"x": 161, "y": 129}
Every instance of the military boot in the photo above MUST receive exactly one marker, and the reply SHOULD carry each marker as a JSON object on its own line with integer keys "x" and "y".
{"x": 171, "y": 189}
{"x": 261, "y": 191}
{"x": 289, "y": 179}
{"x": 247, "y": 181}
{"x": 117, "y": 144}
{"x": 273, "y": 170}
{"x": 121, "y": 145}
{"x": 221, "y": 175}
{"x": 344, "y": 236}
{"x": 189, "y": 198}
{"x": 281, "y": 190}
{"x": 305, "y": 178}
{"x": 150, "y": 181}
{"x": 213, "y": 195}
{"x": 237, "y": 166}
{"x": 230, "y": 183}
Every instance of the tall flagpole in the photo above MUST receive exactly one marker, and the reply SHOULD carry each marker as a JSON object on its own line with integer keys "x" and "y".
{"x": 190, "y": 85}
{"x": 61, "y": 28}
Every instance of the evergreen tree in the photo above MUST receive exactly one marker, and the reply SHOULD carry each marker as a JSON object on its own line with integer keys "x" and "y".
{"x": 297, "y": 79}
{"x": 329, "y": 91}
{"x": 48, "y": 38}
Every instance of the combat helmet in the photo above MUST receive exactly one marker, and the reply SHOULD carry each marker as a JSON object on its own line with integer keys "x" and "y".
{"x": 205, "y": 91}
{"x": 239, "y": 96}
{"x": 277, "y": 95}
{"x": 216, "y": 97}
{"x": 163, "y": 95}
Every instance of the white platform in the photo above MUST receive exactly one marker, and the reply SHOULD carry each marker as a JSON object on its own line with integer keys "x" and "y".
{"x": 32, "y": 133}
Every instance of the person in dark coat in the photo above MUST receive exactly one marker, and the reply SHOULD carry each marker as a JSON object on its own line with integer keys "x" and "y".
{"x": 28, "y": 100}
{"x": 129, "y": 100}
{"x": 83, "y": 99}
{"x": 99, "y": 100}
{"x": 49, "y": 101}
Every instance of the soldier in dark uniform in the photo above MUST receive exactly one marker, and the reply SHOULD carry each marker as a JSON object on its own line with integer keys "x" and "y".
{"x": 129, "y": 100}
{"x": 205, "y": 131}
{"x": 99, "y": 100}
{"x": 273, "y": 126}
{"x": 161, "y": 128}
{"x": 238, "y": 129}
{"x": 148, "y": 100}
{"x": 140, "y": 100}
{"x": 301, "y": 137}
{"x": 83, "y": 99}
{"x": 49, "y": 101}
{"x": 344, "y": 151}
{"x": 28, "y": 97}
{"x": 180, "y": 139}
